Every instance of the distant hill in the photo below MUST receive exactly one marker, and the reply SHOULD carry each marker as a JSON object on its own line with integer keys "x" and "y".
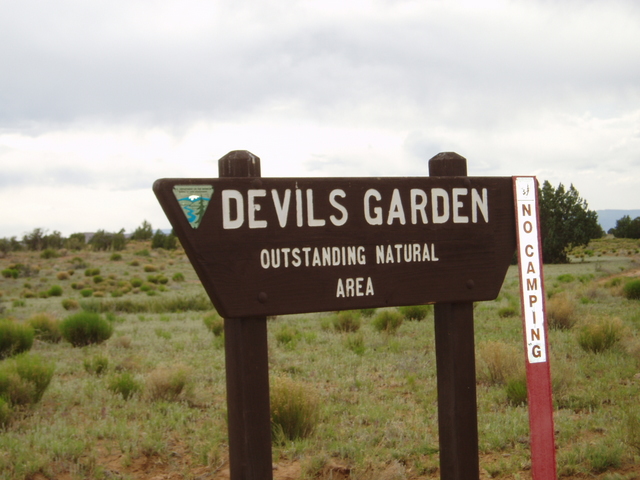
{"x": 607, "y": 218}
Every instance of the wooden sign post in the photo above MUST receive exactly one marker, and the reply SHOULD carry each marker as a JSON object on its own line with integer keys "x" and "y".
{"x": 247, "y": 369}
{"x": 275, "y": 246}
{"x": 456, "y": 367}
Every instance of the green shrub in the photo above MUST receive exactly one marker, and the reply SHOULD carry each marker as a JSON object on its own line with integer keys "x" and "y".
{"x": 86, "y": 292}
{"x": 85, "y": 328}
{"x": 91, "y": 272}
{"x": 632, "y": 290}
{"x": 55, "y": 291}
{"x": 162, "y": 280}
{"x": 508, "y": 311}
{"x": 98, "y": 279}
{"x": 516, "y": 389}
{"x": 36, "y": 370}
{"x": 347, "y": 321}
{"x": 287, "y": 336}
{"x": 632, "y": 431}
{"x": 46, "y": 328}
{"x": 178, "y": 277}
{"x": 368, "y": 312}
{"x": 136, "y": 282}
{"x": 388, "y": 321}
{"x": 355, "y": 343}
{"x": 415, "y": 312}
{"x": 70, "y": 304}
{"x": 614, "y": 282}
{"x": 48, "y": 253}
{"x": 150, "y": 268}
{"x": 24, "y": 379}
{"x": 598, "y": 336}
{"x": 295, "y": 410}
{"x": 115, "y": 257}
{"x": 214, "y": 323}
{"x": 566, "y": 278}
{"x": 161, "y": 333}
{"x": 10, "y": 273}
{"x": 168, "y": 383}
{"x": 124, "y": 384}
{"x": 96, "y": 365}
{"x": 15, "y": 338}
{"x": 5, "y": 412}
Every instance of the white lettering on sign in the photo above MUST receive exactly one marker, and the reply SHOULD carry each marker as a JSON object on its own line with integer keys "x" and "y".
{"x": 286, "y": 257}
{"x": 406, "y": 253}
{"x": 530, "y": 260}
{"x": 354, "y": 287}
{"x": 438, "y": 206}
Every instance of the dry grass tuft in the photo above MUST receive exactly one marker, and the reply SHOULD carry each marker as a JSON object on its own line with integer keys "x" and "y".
{"x": 561, "y": 312}
{"x": 168, "y": 383}
{"x": 596, "y": 336}
{"x": 295, "y": 409}
{"x": 497, "y": 363}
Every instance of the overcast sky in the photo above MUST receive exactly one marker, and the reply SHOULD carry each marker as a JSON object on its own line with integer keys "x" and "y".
{"x": 99, "y": 99}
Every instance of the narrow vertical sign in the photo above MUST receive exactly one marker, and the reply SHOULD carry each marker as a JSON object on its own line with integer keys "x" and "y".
{"x": 543, "y": 457}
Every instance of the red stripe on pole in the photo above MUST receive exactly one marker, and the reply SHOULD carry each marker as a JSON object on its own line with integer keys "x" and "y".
{"x": 543, "y": 451}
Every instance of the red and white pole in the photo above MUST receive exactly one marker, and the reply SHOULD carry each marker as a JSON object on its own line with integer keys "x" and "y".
{"x": 543, "y": 453}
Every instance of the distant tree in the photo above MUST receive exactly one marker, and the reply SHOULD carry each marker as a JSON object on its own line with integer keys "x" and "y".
{"x": 5, "y": 245}
{"x": 102, "y": 240}
{"x": 627, "y": 228}
{"x": 143, "y": 232}
{"x": 76, "y": 241}
{"x": 35, "y": 239}
{"x": 10, "y": 245}
{"x": 565, "y": 221}
{"x": 53, "y": 240}
{"x": 119, "y": 240}
{"x": 162, "y": 240}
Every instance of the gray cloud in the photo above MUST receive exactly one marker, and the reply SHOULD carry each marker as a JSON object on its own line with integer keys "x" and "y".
{"x": 465, "y": 67}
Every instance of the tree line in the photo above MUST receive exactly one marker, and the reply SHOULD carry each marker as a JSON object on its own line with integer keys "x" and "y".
{"x": 626, "y": 228}
{"x": 565, "y": 223}
{"x": 39, "y": 239}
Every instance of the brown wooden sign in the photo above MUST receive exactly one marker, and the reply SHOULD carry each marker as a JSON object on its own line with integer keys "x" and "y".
{"x": 273, "y": 246}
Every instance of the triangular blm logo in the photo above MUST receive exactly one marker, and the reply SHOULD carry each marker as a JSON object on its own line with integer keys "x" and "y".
{"x": 194, "y": 200}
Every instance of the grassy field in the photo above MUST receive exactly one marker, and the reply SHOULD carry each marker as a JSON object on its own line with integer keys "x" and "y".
{"x": 375, "y": 391}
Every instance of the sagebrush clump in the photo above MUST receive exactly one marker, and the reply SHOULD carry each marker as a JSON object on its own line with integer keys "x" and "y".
{"x": 416, "y": 312}
{"x": 498, "y": 363}
{"x": 168, "y": 383}
{"x": 15, "y": 338}
{"x": 561, "y": 312}
{"x": 632, "y": 290}
{"x": 214, "y": 323}
{"x": 24, "y": 379}
{"x": 295, "y": 410}
{"x": 596, "y": 336}
{"x": 46, "y": 327}
{"x": 347, "y": 321}
{"x": 85, "y": 328}
{"x": 388, "y": 321}
{"x": 125, "y": 384}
